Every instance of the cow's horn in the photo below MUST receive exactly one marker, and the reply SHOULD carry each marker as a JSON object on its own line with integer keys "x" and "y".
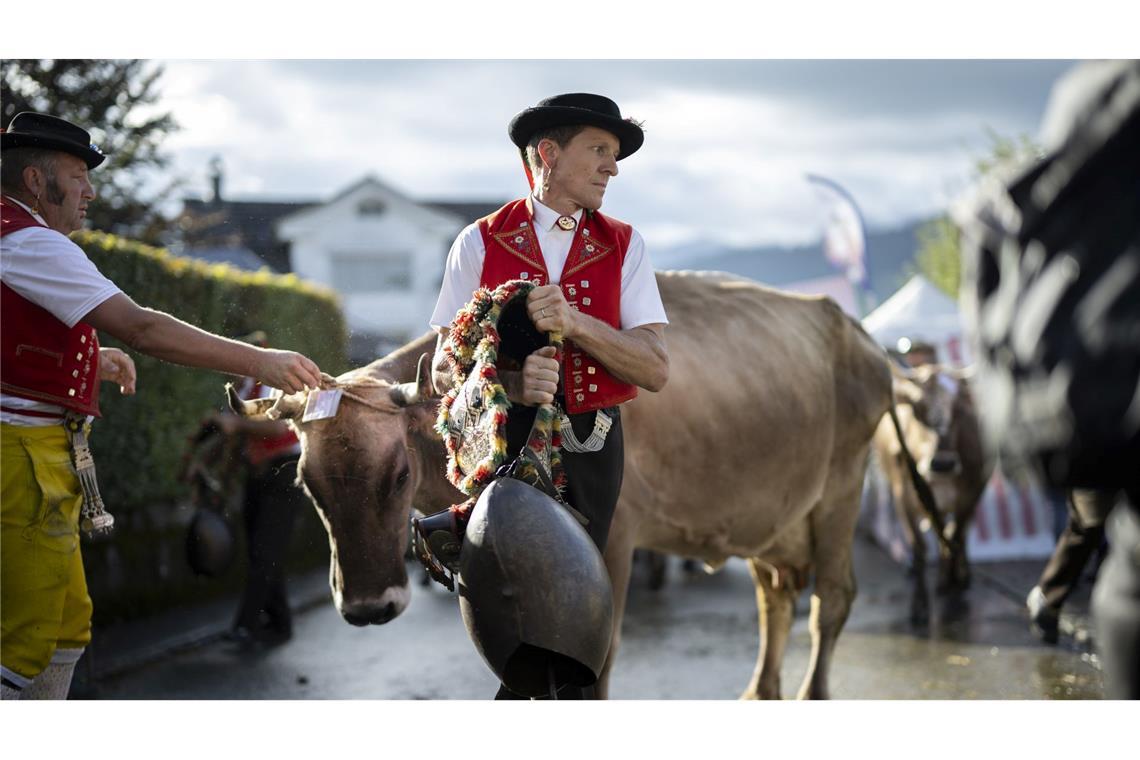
{"x": 243, "y": 408}
{"x": 278, "y": 407}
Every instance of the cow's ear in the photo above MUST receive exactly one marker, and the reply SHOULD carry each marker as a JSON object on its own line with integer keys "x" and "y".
{"x": 288, "y": 406}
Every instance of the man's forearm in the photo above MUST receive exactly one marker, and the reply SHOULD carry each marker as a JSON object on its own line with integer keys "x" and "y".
{"x": 170, "y": 339}
{"x": 636, "y": 356}
{"x": 165, "y": 337}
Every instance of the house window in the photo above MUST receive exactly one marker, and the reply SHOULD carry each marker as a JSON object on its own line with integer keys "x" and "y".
{"x": 380, "y": 272}
{"x": 370, "y": 207}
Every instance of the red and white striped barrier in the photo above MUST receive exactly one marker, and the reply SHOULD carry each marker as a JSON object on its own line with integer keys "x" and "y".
{"x": 1014, "y": 520}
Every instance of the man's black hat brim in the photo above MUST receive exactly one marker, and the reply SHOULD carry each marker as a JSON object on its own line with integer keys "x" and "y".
{"x": 33, "y": 130}
{"x": 540, "y": 118}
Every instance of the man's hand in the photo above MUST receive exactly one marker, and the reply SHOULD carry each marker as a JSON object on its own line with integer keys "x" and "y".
{"x": 539, "y": 377}
{"x": 287, "y": 370}
{"x": 549, "y": 311}
{"x": 116, "y": 367}
{"x": 636, "y": 355}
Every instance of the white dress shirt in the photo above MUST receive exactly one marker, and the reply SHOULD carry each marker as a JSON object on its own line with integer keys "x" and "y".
{"x": 640, "y": 299}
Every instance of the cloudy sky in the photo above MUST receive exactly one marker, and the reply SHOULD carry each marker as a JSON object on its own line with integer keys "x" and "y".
{"x": 727, "y": 142}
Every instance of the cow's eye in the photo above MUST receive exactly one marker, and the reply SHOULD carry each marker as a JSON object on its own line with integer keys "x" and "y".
{"x": 402, "y": 478}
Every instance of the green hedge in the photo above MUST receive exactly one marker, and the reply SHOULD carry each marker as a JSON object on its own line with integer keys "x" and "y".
{"x": 140, "y": 442}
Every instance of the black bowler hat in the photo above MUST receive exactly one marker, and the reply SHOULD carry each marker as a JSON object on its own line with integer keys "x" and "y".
{"x": 38, "y": 130}
{"x": 573, "y": 109}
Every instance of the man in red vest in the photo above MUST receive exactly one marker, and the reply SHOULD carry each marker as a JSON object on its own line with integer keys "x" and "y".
{"x": 272, "y": 499}
{"x": 595, "y": 285}
{"x": 54, "y": 302}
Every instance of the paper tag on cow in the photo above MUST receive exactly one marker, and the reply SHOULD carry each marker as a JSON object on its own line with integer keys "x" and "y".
{"x": 322, "y": 404}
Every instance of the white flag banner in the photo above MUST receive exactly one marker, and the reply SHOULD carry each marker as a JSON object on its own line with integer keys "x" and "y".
{"x": 844, "y": 242}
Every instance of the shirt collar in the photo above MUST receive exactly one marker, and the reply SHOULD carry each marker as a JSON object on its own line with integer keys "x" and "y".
{"x": 36, "y": 216}
{"x": 545, "y": 217}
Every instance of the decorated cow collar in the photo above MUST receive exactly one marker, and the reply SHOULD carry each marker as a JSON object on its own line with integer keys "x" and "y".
{"x": 473, "y": 414}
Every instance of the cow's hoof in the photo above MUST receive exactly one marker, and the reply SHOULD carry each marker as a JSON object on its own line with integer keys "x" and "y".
{"x": 1044, "y": 621}
{"x": 753, "y": 694}
{"x": 762, "y": 688}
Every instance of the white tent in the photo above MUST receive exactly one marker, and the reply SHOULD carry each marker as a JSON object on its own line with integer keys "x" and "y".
{"x": 919, "y": 311}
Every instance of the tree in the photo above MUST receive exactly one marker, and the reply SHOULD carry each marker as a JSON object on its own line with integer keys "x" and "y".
{"x": 939, "y": 253}
{"x": 114, "y": 100}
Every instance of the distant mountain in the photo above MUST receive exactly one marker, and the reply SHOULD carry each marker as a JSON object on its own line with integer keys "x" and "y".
{"x": 890, "y": 260}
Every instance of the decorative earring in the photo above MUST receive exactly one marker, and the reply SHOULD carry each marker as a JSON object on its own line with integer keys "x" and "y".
{"x": 36, "y": 205}
{"x": 546, "y": 179}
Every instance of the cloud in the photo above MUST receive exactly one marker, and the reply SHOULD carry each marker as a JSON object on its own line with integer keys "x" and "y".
{"x": 727, "y": 142}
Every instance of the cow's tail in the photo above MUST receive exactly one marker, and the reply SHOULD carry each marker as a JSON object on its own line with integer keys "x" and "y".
{"x": 925, "y": 495}
{"x": 921, "y": 487}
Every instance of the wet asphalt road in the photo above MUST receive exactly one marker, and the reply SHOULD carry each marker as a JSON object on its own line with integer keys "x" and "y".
{"x": 695, "y": 639}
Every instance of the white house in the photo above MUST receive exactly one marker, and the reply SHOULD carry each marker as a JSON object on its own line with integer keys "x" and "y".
{"x": 383, "y": 252}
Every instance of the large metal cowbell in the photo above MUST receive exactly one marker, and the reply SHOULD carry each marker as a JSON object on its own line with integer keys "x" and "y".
{"x": 534, "y": 592}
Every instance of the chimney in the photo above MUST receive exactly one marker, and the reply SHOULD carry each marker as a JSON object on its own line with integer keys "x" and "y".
{"x": 216, "y": 179}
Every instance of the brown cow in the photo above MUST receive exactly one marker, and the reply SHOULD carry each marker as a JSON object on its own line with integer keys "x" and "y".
{"x": 939, "y": 421}
{"x": 756, "y": 448}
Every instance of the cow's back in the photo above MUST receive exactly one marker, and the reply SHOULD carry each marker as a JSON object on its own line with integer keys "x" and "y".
{"x": 766, "y": 390}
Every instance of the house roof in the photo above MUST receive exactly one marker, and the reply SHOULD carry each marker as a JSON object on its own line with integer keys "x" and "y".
{"x": 237, "y": 224}
{"x": 219, "y": 226}
{"x": 252, "y": 219}
{"x": 466, "y": 211}
{"x": 469, "y": 211}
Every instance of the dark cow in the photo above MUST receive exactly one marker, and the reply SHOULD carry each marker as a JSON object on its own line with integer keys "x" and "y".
{"x": 756, "y": 448}
{"x": 939, "y": 421}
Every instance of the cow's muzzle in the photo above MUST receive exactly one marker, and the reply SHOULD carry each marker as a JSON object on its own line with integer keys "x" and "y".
{"x": 945, "y": 463}
{"x": 387, "y": 607}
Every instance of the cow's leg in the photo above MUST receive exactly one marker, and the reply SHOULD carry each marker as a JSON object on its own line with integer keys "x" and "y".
{"x": 619, "y": 563}
{"x": 658, "y": 562}
{"x": 954, "y": 564}
{"x": 947, "y": 560}
{"x": 904, "y": 496}
{"x": 953, "y": 572}
{"x": 963, "y": 518}
{"x": 775, "y": 601}
{"x": 832, "y": 533}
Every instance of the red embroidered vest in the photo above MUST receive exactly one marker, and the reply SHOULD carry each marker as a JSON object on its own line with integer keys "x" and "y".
{"x": 590, "y": 281}
{"x": 40, "y": 357}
